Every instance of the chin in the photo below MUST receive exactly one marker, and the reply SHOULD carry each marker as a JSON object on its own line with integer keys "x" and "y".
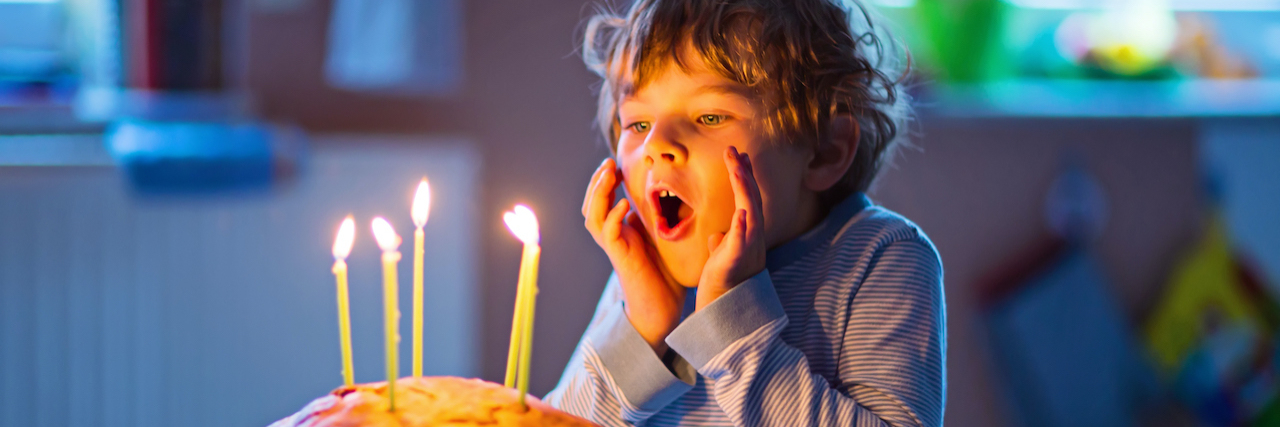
{"x": 685, "y": 269}
{"x": 689, "y": 282}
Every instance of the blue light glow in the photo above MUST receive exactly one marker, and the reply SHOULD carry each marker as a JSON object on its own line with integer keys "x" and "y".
{"x": 1189, "y": 5}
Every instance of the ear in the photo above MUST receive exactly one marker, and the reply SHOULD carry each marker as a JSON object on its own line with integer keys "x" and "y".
{"x": 834, "y": 156}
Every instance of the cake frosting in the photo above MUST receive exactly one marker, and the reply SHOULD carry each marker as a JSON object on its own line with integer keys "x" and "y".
{"x": 429, "y": 401}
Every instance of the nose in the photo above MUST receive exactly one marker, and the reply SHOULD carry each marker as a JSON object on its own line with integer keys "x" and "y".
{"x": 663, "y": 145}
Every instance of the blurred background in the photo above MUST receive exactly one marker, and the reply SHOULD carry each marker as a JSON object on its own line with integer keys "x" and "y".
{"x": 1101, "y": 177}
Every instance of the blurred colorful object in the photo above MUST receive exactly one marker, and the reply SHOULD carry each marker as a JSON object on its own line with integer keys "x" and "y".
{"x": 1200, "y": 51}
{"x": 1143, "y": 40}
{"x": 1129, "y": 40}
{"x": 1065, "y": 348}
{"x": 963, "y": 37}
{"x": 395, "y": 47}
{"x": 1203, "y": 295}
{"x": 1213, "y": 334}
{"x": 164, "y": 157}
{"x": 166, "y": 77}
{"x": 31, "y": 40}
{"x": 1066, "y": 351}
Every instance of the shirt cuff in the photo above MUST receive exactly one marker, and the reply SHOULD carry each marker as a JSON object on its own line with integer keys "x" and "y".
{"x": 644, "y": 380}
{"x": 743, "y": 310}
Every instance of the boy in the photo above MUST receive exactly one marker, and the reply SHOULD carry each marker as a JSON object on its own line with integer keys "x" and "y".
{"x": 754, "y": 284}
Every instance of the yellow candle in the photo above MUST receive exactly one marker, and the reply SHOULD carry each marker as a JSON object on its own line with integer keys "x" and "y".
{"x": 524, "y": 225}
{"x": 419, "y": 210}
{"x": 389, "y": 241}
{"x": 342, "y": 248}
{"x": 531, "y": 255}
{"x": 517, "y": 322}
{"x": 518, "y": 319}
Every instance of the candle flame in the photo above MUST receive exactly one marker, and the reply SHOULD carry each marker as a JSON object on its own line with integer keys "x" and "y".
{"x": 523, "y": 224}
{"x": 386, "y": 236}
{"x": 346, "y": 236}
{"x": 421, "y": 203}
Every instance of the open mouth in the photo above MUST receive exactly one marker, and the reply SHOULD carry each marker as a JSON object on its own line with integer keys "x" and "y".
{"x": 673, "y": 213}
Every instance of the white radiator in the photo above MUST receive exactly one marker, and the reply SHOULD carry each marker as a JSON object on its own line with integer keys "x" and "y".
{"x": 220, "y": 311}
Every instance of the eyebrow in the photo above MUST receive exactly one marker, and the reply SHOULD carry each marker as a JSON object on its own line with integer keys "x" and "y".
{"x": 629, "y": 91}
{"x": 723, "y": 89}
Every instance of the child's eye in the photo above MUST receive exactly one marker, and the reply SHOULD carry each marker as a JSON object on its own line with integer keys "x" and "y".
{"x": 711, "y": 119}
{"x": 639, "y": 126}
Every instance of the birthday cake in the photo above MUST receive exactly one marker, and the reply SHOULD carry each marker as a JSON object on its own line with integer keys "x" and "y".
{"x": 428, "y": 401}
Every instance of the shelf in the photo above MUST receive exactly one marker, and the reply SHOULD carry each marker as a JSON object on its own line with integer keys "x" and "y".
{"x": 1103, "y": 99}
{"x": 1182, "y": 5}
{"x": 1179, "y": 5}
{"x": 54, "y": 150}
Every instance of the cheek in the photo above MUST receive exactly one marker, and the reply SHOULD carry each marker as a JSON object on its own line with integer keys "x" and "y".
{"x": 628, "y": 150}
{"x": 632, "y": 181}
{"x": 719, "y": 203}
{"x": 633, "y": 177}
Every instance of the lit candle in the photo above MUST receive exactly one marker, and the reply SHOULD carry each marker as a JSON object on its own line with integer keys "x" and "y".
{"x": 517, "y": 320}
{"x": 342, "y": 248}
{"x": 389, "y": 241}
{"x": 524, "y": 225}
{"x": 421, "y": 207}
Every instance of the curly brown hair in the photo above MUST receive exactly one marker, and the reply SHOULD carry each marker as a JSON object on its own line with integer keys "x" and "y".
{"x": 805, "y": 60}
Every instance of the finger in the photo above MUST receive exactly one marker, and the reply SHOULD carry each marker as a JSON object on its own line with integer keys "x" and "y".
{"x": 755, "y": 212}
{"x": 753, "y": 184}
{"x": 735, "y": 239}
{"x": 737, "y": 234}
{"x": 592, "y": 189}
{"x": 737, "y": 178}
{"x": 601, "y": 197}
{"x": 591, "y": 184}
{"x": 613, "y": 223}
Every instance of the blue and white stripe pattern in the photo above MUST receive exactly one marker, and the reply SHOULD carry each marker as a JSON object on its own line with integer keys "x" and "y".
{"x": 846, "y": 326}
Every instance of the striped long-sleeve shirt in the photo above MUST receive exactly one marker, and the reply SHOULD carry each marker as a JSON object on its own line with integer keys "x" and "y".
{"x": 846, "y": 326}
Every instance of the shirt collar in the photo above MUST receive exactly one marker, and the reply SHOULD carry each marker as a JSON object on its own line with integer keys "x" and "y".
{"x": 786, "y": 253}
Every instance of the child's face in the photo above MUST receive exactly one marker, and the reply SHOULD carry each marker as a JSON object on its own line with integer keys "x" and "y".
{"x": 675, "y": 130}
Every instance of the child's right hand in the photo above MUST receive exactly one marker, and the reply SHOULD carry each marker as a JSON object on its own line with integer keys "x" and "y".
{"x": 653, "y": 303}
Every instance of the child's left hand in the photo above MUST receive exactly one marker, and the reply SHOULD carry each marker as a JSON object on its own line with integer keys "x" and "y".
{"x": 738, "y": 254}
